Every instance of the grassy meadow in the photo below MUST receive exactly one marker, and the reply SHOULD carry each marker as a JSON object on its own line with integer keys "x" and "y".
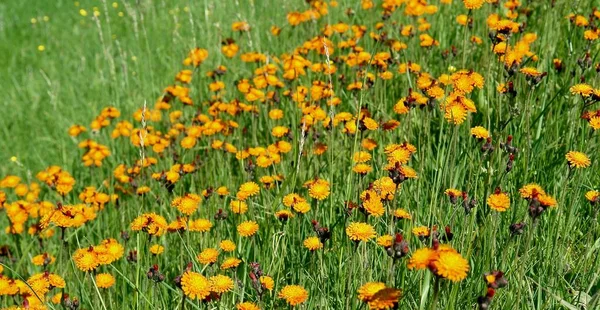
{"x": 319, "y": 154}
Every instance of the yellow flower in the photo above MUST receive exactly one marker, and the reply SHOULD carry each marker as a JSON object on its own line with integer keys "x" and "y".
{"x": 361, "y": 157}
{"x": 43, "y": 259}
{"x": 592, "y": 196}
{"x": 578, "y": 160}
{"x": 293, "y": 294}
{"x": 402, "y": 214}
{"x": 247, "y": 306}
{"x": 421, "y": 231}
{"x": 313, "y": 243}
{"x": 267, "y": 282}
{"x": 421, "y": 258}
{"x": 249, "y": 189}
{"x": 527, "y": 190}
{"x": 104, "y": 280}
{"x": 247, "y": 228}
{"x": 362, "y": 169}
{"x": 227, "y": 245}
{"x": 157, "y": 249}
{"x": 221, "y": 284}
{"x": 480, "y": 132}
{"x": 451, "y": 265}
{"x": 208, "y": 256}
{"x": 319, "y": 189}
{"x": 499, "y": 201}
{"x": 195, "y": 285}
{"x": 85, "y": 259}
{"x": 238, "y": 207}
{"x": 385, "y": 241}
{"x": 584, "y": 90}
{"x": 360, "y": 231}
{"x": 200, "y": 225}
{"x": 230, "y": 262}
{"x": 369, "y": 289}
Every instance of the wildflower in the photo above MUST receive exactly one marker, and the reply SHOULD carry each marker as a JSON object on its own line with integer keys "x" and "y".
{"x": 421, "y": 231}
{"x": 105, "y": 280}
{"x": 230, "y": 262}
{"x": 360, "y": 231}
{"x": 451, "y": 265}
{"x": 592, "y": 196}
{"x": 86, "y": 259}
{"x": 238, "y": 207}
{"x": 246, "y": 306}
{"x": 156, "y": 249}
{"x": 319, "y": 189}
{"x": 421, "y": 258}
{"x": 227, "y": 246}
{"x": 578, "y": 159}
{"x": 498, "y": 201}
{"x": 313, "y": 243}
{"x": 195, "y": 285}
{"x": 267, "y": 282}
{"x": 368, "y": 290}
{"x": 221, "y": 284}
{"x": 385, "y": 241}
{"x": 583, "y": 90}
{"x": 247, "y": 228}
{"x": 480, "y": 133}
{"x": 473, "y": 4}
{"x": 208, "y": 256}
{"x": 293, "y": 294}
{"x": 200, "y": 225}
{"x": 402, "y": 214}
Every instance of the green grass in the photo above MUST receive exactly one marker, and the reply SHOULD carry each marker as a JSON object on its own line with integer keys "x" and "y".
{"x": 127, "y": 62}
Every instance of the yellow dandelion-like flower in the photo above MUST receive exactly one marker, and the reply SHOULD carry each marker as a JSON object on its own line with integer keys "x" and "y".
{"x": 527, "y": 190}
{"x": 421, "y": 231}
{"x": 200, "y": 225}
{"x": 547, "y": 201}
{"x": 358, "y": 231}
{"x": 250, "y": 189}
{"x": 221, "y": 284}
{"x": 369, "y": 289}
{"x": 402, "y": 214}
{"x": 584, "y": 90}
{"x": 362, "y": 169}
{"x": 313, "y": 243}
{"x": 319, "y": 189}
{"x": 195, "y": 285}
{"x": 385, "y": 241}
{"x": 421, "y": 258}
{"x": 157, "y": 249}
{"x": 301, "y": 207}
{"x": 267, "y": 282}
{"x": 361, "y": 157}
{"x": 247, "y": 228}
{"x": 105, "y": 280}
{"x": 293, "y": 294}
{"x": 227, "y": 246}
{"x": 85, "y": 259}
{"x": 238, "y": 207}
{"x": 499, "y": 201}
{"x": 374, "y": 206}
{"x": 480, "y": 132}
{"x": 592, "y": 196}
{"x": 578, "y": 159}
{"x": 386, "y": 298}
{"x": 246, "y": 306}
{"x": 451, "y": 265}
{"x": 230, "y": 262}
{"x": 208, "y": 256}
